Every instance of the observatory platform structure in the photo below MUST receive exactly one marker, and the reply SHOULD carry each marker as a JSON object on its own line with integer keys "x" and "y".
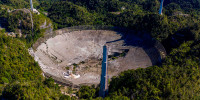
{"x": 79, "y": 49}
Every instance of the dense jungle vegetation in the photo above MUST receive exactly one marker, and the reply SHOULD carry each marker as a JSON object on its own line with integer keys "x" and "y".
{"x": 178, "y": 29}
{"x": 20, "y": 75}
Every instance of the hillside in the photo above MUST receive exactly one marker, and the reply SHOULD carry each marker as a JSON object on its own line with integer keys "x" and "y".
{"x": 178, "y": 29}
{"x": 18, "y": 3}
{"x": 21, "y": 76}
{"x": 177, "y": 78}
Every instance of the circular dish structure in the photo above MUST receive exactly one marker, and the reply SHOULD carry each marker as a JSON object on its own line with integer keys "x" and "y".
{"x": 79, "y": 51}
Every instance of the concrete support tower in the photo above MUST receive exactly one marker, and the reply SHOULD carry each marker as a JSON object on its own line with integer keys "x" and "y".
{"x": 31, "y": 3}
{"x": 161, "y": 7}
{"x": 104, "y": 74}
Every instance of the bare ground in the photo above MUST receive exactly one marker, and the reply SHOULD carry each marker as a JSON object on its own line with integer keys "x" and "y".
{"x": 85, "y": 49}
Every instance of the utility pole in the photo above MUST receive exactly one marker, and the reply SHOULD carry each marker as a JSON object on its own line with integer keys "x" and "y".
{"x": 161, "y": 7}
{"x": 104, "y": 74}
{"x": 31, "y": 3}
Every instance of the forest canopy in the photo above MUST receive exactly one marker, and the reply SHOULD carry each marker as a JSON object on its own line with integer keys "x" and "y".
{"x": 178, "y": 29}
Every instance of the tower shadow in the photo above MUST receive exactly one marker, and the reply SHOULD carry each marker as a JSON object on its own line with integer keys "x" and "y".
{"x": 154, "y": 49}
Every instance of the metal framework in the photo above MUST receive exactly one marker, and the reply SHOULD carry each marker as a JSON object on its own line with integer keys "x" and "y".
{"x": 104, "y": 76}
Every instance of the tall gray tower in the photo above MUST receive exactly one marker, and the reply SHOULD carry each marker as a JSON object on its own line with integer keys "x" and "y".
{"x": 104, "y": 74}
{"x": 31, "y": 3}
{"x": 161, "y": 7}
